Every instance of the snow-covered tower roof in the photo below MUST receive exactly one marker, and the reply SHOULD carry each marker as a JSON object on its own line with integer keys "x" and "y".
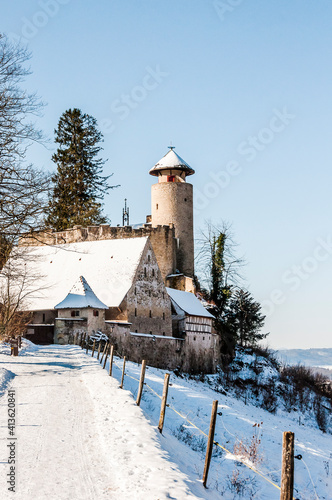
{"x": 171, "y": 161}
{"x": 80, "y": 296}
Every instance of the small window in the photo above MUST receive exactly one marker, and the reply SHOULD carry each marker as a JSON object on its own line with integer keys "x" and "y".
{"x": 150, "y": 333}
{"x": 44, "y": 318}
{"x": 164, "y": 316}
{"x": 149, "y": 293}
{"x": 194, "y": 338}
{"x": 135, "y": 331}
{"x": 145, "y": 271}
{"x": 135, "y": 311}
{"x": 96, "y": 313}
{"x": 149, "y": 258}
{"x": 171, "y": 178}
{"x": 153, "y": 273}
{"x": 150, "y": 314}
{"x": 164, "y": 334}
{"x": 72, "y": 314}
{"x": 157, "y": 206}
{"x": 135, "y": 291}
{"x": 185, "y": 199}
{"x": 77, "y": 313}
{"x": 203, "y": 338}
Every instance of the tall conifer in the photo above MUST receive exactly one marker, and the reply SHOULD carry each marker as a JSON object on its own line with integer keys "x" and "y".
{"x": 79, "y": 187}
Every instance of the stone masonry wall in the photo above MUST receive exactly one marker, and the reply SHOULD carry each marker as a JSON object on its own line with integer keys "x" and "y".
{"x": 162, "y": 239}
{"x": 165, "y": 353}
{"x": 147, "y": 305}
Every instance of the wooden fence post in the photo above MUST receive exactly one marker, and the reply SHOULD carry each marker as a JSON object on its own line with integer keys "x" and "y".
{"x": 123, "y": 372}
{"x": 209, "y": 447}
{"x": 287, "y": 466}
{"x": 141, "y": 383}
{"x": 82, "y": 340}
{"x": 99, "y": 346}
{"x": 111, "y": 359}
{"x": 87, "y": 345}
{"x": 102, "y": 356}
{"x": 75, "y": 338}
{"x": 163, "y": 403}
{"x": 108, "y": 348}
{"x": 93, "y": 348}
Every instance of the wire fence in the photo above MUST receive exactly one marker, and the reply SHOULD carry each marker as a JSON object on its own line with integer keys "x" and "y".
{"x": 237, "y": 458}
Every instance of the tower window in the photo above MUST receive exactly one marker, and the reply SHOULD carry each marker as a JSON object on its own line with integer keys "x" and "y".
{"x": 153, "y": 273}
{"x": 145, "y": 271}
{"x": 150, "y": 314}
{"x": 96, "y": 313}
{"x": 149, "y": 258}
{"x": 163, "y": 316}
{"x": 135, "y": 311}
{"x": 171, "y": 178}
{"x": 157, "y": 206}
{"x": 185, "y": 199}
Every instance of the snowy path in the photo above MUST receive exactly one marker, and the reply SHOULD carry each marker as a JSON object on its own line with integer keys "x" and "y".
{"x": 79, "y": 436}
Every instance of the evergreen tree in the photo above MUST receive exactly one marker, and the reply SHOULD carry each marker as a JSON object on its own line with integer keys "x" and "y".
{"x": 79, "y": 187}
{"x": 245, "y": 319}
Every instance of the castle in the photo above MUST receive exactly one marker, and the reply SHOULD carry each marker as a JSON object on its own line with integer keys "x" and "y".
{"x": 134, "y": 283}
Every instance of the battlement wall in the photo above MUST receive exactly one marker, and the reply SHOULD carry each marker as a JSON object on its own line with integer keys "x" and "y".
{"x": 162, "y": 239}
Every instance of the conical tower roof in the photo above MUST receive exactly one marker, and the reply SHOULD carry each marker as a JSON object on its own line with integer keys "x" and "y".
{"x": 80, "y": 296}
{"x": 171, "y": 161}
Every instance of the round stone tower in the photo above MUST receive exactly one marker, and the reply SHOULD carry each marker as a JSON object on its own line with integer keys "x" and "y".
{"x": 172, "y": 203}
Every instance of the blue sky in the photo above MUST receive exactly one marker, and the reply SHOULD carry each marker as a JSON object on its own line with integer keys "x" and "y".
{"x": 242, "y": 89}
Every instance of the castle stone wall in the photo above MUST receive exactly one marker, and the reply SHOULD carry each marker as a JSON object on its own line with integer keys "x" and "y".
{"x": 165, "y": 352}
{"x": 162, "y": 239}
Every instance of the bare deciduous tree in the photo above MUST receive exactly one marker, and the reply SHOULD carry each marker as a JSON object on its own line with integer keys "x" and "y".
{"x": 22, "y": 187}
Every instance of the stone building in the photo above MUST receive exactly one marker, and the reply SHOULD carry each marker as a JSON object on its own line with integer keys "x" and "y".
{"x": 80, "y": 312}
{"x": 170, "y": 226}
{"x": 123, "y": 276}
{"x": 126, "y": 271}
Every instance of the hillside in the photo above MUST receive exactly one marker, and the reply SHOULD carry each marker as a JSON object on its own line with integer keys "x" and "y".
{"x": 319, "y": 358}
{"x": 90, "y": 436}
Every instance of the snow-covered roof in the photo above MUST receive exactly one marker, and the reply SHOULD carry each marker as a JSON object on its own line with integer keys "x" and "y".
{"x": 171, "y": 160}
{"x": 80, "y": 296}
{"x": 189, "y": 303}
{"x": 109, "y": 266}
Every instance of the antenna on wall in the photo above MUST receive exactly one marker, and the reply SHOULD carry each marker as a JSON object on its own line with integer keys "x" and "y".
{"x": 125, "y": 215}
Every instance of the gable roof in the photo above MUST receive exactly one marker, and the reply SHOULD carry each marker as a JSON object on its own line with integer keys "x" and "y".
{"x": 171, "y": 160}
{"x": 189, "y": 303}
{"x": 108, "y": 265}
{"x": 80, "y": 296}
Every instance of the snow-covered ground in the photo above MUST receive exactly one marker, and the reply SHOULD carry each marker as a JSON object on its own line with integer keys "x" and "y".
{"x": 80, "y": 436}
{"x": 308, "y": 357}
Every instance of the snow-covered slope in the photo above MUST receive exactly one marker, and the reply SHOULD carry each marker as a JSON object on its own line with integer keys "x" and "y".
{"x": 307, "y": 357}
{"x": 81, "y": 435}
